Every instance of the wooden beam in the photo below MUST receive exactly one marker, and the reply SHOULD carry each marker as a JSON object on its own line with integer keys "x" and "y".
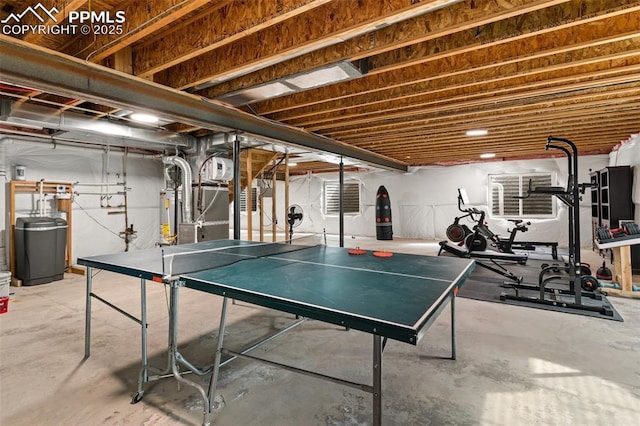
{"x": 327, "y": 24}
{"x": 593, "y": 40}
{"x": 213, "y": 30}
{"x": 477, "y": 100}
{"x": 612, "y": 51}
{"x": 123, "y": 60}
{"x": 453, "y": 51}
{"x": 452, "y": 87}
{"x": 566, "y": 24}
{"x": 458, "y": 99}
{"x": 497, "y": 112}
{"x": 140, "y": 22}
{"x": 435, "y": 24}
{"x": 41, "y": 39}
{"x": 615, "y": 113}
{"x": 512, "y": 134}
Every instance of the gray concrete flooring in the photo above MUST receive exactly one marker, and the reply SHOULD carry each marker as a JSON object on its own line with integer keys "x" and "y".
{"x": 515, "y": 366}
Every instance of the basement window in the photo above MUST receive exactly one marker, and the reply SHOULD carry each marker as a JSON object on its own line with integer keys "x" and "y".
{"x": 254, "y": 200}
{"x": 351, "y": 199}
{"x": 503, "y": 189}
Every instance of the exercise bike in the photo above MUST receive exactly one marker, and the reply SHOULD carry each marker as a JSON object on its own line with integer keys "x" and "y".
{"x": 492, "y": 260}
{"x": 477, "y": 239}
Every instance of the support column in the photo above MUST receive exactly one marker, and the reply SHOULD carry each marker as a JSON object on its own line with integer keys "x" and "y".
{"x": 87, "y": 312}
{"x": 453, "y": 324}
{"x": 377, "y": 380}
{"x": 236, "y": 187}
{"x": 274, "y": 210}
{"x": 341, "y": 232}
{"x": 249, "y": 197}
{"x": 285, "y": 218}
{"x": 261, "y": 208}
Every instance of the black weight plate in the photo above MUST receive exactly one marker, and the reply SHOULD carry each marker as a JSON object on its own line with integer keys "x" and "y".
{"x": 589, "y": 283}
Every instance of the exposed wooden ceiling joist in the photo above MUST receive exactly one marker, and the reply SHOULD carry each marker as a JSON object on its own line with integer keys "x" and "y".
{"x": 431, "y": 68}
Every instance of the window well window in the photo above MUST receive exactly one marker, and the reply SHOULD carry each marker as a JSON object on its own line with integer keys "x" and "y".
{"x": 254, "y": 200}
{"x": 331, "y": 197}
{"x": 503, "y": 189}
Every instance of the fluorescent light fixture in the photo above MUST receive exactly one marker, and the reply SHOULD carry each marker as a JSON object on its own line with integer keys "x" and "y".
{"x": 257, "y": 93}
{"x": 487, "y": 155}
{"x": 326, "y": 75}
{"x": 105, "y": 127}
{"x": 477, "y": 132}
{"x": 122, "y": 113}
{"x": 335, "y": 159}
{"x": 292, "y": 164}
{"x": 270, "y": 90}
{"x": 329, "y": 74}
{"x": 144, "y": 118}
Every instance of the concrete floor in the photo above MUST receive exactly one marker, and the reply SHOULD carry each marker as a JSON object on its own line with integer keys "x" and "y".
{"x": 515, "y": 366}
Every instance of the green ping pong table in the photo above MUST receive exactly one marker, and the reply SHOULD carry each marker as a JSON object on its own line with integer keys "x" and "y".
{"x": 397, "y": 298}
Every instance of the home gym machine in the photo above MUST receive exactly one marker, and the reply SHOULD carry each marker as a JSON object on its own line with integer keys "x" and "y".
{"x": 477, "y": 239}
{"x": 578, "y": 275}
{"x": 473, "y": 243}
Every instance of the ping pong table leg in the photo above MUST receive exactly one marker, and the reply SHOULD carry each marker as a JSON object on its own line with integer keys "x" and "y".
{"x": 144, "y": 372}
{"x": 174, "y": 355}
{"x": 218, "y": 357}
{"x": 453, "y": 326}
{"x": 87, "y": 319}
{"x": 377, "y": 380}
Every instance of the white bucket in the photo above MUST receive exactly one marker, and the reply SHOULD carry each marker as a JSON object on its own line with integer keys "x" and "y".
{"x": 21, "y": 173}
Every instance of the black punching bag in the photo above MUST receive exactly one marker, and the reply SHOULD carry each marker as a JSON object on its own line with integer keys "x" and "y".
{"x": 384, "y": 230}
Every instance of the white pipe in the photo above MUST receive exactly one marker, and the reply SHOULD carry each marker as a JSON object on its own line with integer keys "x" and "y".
{"x": 41, "y": 190}
{"x": 99, "y": 184}
{"x": 25, "y": 138}
{"x": 186, "y": 185}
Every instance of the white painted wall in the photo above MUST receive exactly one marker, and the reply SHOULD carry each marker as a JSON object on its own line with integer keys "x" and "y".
{"x": 628, "y": 154}
{"x": 424, "y": 200}
{"x": 95, "y": 230}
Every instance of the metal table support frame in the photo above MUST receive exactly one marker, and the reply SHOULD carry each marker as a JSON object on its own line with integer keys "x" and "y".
{"x": 175, "y": 358}
{"x": 375, "y": 388}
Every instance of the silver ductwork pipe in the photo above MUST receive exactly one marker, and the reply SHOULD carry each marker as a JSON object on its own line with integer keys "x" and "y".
{"x": 187, "y": 216}
{"x": 75, "y": 126}
{"x": 27, "y": 65}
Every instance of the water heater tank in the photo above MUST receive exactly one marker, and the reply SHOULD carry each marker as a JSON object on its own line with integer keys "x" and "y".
{"x": 218, "y": 169}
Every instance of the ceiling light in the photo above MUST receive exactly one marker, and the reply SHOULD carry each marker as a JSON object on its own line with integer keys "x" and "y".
{"x": 322, "y": 76}
{"x": 487, "y": 155}
{"x": 326, "y": 75}
{"x": 257, "y": 93}
{"x": 144, "y": 118}
{"x": 293, "y": 164}
{"x": 477, "y": 132}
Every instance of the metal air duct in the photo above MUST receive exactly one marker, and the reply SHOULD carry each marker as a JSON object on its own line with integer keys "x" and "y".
{"x": 187, "y": 216}
{"x": 25, "y": 65}
{"x": 79, "y": 127}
